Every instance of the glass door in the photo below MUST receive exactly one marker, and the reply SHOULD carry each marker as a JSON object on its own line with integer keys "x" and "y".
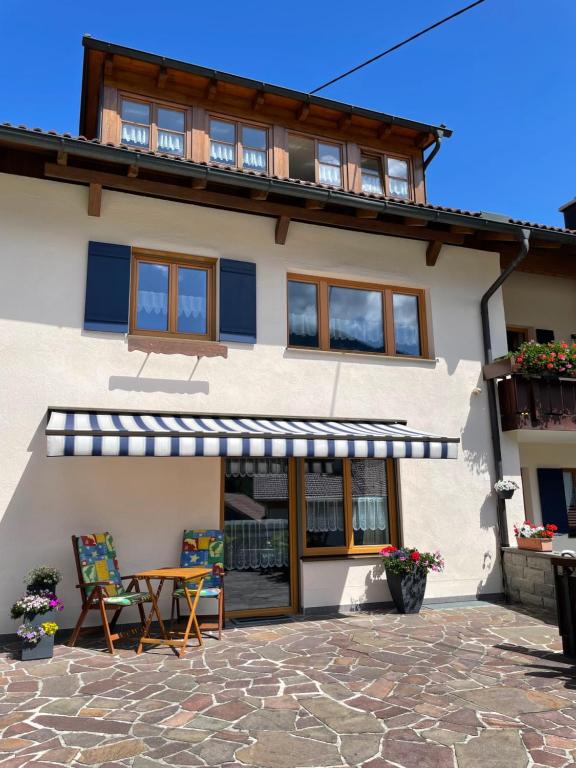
{"x": 259, "y": 540}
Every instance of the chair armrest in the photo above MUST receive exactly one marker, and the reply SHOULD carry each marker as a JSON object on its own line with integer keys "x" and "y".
{"x": 95, "y": 584}
{"x": 132, "y": 576}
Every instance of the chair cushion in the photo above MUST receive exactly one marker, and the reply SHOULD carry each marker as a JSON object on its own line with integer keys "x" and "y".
{"x": 204, "y": 548}
{"x": 98, "y": 561}
{"x": 209, "y": 592}
{"x": 128, "y": 598}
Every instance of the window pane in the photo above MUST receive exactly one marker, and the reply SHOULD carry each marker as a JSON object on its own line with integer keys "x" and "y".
{"x": 254, "y": 158}
{"x": 135, "y": 135}
{"x": 371, "y": 183}
{"x": 192, "y": 294}
{"x": 330, "y": 174}
{"x": 222, "y": 153}
{"x": 170, "y": 119}
{"x": 356, "y": 319}
{"x": 329, "y": 153}
{"x": 135, "y": 112}
{"x": 399, "y": 188}
{"x": 397, "y": 168}
{"x": 301, "y": 158}
{"x": 172, "y": 143}
{"x": 324, "y": 489}
{"x": 406, "y": 324}
{"x": 253, "y": 137}
{"x": 302, "y": 314}
{"x": 152, "y": 301}
{"x": 370, "y": 519}
{"x": 370, "y": 164}
{"x": 221, "y": 131}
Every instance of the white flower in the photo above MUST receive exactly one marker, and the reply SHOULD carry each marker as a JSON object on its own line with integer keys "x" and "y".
{"x": 505, "y": 485}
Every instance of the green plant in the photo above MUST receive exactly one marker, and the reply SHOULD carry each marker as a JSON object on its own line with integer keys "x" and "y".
{"x": 33, "y": 635}
{"x": 410, "y": 560}
{"x": 556, "y": 357}
{"x": 43, "y": 577}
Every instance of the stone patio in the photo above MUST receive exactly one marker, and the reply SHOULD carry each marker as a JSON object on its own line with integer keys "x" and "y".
{"x": 463, "y": 686}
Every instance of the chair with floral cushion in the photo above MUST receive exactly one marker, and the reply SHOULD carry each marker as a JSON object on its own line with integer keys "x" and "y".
{"x": 101, "y": 586}
{"x": 204, "y": 548}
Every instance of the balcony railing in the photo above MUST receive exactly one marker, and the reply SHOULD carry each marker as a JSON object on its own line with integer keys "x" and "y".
{"x": 538, "y": 402}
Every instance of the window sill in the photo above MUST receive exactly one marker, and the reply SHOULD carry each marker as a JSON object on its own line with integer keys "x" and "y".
{"x": 351, "y": 556}
{"x": 172, "y": 346}
{"x": 364, "y": 355}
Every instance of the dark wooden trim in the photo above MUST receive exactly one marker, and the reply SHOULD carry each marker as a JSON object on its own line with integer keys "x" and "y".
{"x": 537, "y": 403}
{"x": 433, "y": 252}
{"x": 281, "y": 232}
{"x": 172, "y": 346}
{"x": 94, "y": 199}
{"x": 499, "y": 369}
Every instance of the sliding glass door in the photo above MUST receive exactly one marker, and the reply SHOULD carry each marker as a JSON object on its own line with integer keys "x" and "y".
{"x": 259, "y": 536}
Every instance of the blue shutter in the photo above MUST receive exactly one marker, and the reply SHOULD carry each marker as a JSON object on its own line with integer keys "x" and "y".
{"x": 107, "y": 288}
{"x": 237, "y": 301}
{"x": 543, "y": 336}
{"x": 553, "y": 498}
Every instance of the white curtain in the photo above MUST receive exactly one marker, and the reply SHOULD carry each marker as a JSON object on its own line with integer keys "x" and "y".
{"x": 255, "y": 159}
{"x": 323, "y": 515}
{"x": 222, "y": 153}
{"x": 192, "y": 306}
{"x": 135, "y": 134}
{"x": 153, "y": 302}
{"x": 371, "y": 184}
{"x": 407, "y": 336}
{"x": 304, "y": 323}
{"x": 170, "y": 142}
{"x": 330, "y": 174}
{"x": 251, "y": 544}
{"x": 398, "y": 188}
{"x": 369, "y": 513}
{"x": 368, "y": 331}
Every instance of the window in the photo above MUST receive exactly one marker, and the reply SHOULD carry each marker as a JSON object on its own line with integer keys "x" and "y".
{"x": 381, "y": 174}
{"x": 515, "y": 335}
{"x": 355, "y": 317}
{"x": 313, "y": 160}
{"x": 245, "y": 146}
{"x": 349, "y": 505}
{"x": 151, "y": 126}
{"x": 172, "y": 295}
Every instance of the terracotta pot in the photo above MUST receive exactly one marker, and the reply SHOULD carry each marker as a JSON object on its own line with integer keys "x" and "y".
{"x": 536, "y": 545}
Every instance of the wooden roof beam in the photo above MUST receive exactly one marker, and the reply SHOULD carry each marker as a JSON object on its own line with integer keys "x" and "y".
{"x": 109, "y": 65}
{"x": 94, "y": 199}
{"x": 303, "y": 112}
{"x": 384, "y": 130}
{"x": 62, "y": 158}
{"x": 258, "y": 194}
{"x": 433, "y": 252}
{"x": 133, "y": 171}
{"x": 258, "y": 101}
{"x": 462, "y": 230}
{"x": 314, "y": 205}
{"x": 410, "y": 222}
{"x": 212, "y": 89}
{"x": 162, "y": 77}
{"x": 281, "y": 233}
{"x": 345, "y": 122}
{"x": 366, "y": 213}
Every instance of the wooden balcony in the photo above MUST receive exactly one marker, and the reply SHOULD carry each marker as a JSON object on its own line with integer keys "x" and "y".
{"x": 537, "y": 403}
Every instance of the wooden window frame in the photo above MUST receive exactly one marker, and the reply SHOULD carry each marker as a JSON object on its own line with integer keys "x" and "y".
{"x": 382, "y": 158}
{"x": 238, "y": 146}
{"x": 317, "y": 139}
{"x": 174, "y": 261}
{"x": 154, "y": 105}
{"x": 350, "y": 548}
{"x": 323, "y": 284}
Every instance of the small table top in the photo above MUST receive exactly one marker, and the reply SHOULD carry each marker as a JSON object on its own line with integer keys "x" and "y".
{"x": 189, "y": 574}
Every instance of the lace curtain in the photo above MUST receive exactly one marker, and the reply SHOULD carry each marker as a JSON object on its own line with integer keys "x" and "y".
{"x": 253, "y": 544}
{"x": 170, "y": 142}
{"x": 371, "y": 184}
{"x": 255, "y": 159}
{"x": 366, "y": 330}
{"x": 303, "y": 323}
{"x": 135, "y": 134}
{"x": 369, "y": 513}
{"x": 398, "y": 188}
{"x": 222, "y": 153}
{"x": 330, "y": 174}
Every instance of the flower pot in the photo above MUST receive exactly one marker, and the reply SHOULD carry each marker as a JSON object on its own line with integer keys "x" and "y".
{"x": 536, "y": 545}
{"x": 407, "y": 590}
{"x": 505, "y": 494}
{"x": 43, "y": 649}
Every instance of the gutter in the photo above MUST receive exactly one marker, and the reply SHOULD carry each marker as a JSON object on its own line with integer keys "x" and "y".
{"x": 439, "y": 135}
{"x": 492, "y": 396}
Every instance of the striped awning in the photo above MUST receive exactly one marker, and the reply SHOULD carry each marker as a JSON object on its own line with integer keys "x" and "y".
{"x": 106, "y": 433}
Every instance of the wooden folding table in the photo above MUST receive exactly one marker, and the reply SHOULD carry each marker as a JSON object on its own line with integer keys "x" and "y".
{"x": 182, "y": 575}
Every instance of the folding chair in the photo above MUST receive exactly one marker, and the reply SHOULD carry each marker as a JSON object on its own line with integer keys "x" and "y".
{"x": 101, "y": 586}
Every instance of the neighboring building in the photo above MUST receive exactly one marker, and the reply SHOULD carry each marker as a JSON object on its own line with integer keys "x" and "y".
{"x": 211, "y": 248}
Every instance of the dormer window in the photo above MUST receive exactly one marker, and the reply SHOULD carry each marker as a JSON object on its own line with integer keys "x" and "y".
{"x": 238, "y": 144}
{"x": 314, "y": 160}
{"x": 146, "y": 125}
{"x": 398, "y": 177}
{"x": 371, "y": 175}
{"x": 379, "y": 173}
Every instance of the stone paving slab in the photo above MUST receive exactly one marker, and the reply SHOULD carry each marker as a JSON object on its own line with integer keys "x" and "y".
{"x": 449, "y": 688}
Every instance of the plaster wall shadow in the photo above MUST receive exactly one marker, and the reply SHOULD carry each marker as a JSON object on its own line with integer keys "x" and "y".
{"x": 170, "y": 386}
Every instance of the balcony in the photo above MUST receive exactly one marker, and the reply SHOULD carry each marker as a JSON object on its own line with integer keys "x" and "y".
{"x": 535, "y": 402}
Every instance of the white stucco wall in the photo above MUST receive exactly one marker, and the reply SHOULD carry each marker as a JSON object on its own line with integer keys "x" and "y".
{"x": 47, "y": 359}
{"x": 537, "y": 301}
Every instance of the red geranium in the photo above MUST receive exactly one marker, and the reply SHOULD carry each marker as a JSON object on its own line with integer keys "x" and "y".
{"x": 415, "y": 556}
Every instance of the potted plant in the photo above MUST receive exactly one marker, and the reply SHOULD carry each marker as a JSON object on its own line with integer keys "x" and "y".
{"x": 42, "y": 579}
{"x": 535, "y": 537}
{"x": 556, "y": 358}
{"x": 505, "y": 488}
{"x": 38, "y": 627}
{"x": 406, "y": 574}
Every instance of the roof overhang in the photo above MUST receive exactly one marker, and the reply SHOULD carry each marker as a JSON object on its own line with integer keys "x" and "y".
{"x": 98, "y": 166}
{"x": 98, "y": 54}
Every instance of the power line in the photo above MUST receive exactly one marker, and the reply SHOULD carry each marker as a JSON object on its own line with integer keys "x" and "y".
{"x": 398, "y": 45}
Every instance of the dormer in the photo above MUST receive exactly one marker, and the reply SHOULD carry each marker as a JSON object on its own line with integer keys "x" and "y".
{"x": 184, "y": 111}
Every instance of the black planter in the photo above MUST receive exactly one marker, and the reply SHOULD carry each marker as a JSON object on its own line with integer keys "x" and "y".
{"x": 38, "y": 589}
{"x": 44, "y": 648}
{"x": 407, "y": 590}
{"x": 505, "y": 494}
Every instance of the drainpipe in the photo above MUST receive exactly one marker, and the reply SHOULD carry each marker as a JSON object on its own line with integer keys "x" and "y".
{"x": 438, "y": 143}
{"x": 492, "y": 405}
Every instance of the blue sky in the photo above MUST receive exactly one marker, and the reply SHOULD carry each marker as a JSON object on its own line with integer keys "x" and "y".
{"x": 500, "y": 76}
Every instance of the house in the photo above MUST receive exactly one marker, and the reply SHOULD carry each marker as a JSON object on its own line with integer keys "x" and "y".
{"x": 230, "y": 304}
